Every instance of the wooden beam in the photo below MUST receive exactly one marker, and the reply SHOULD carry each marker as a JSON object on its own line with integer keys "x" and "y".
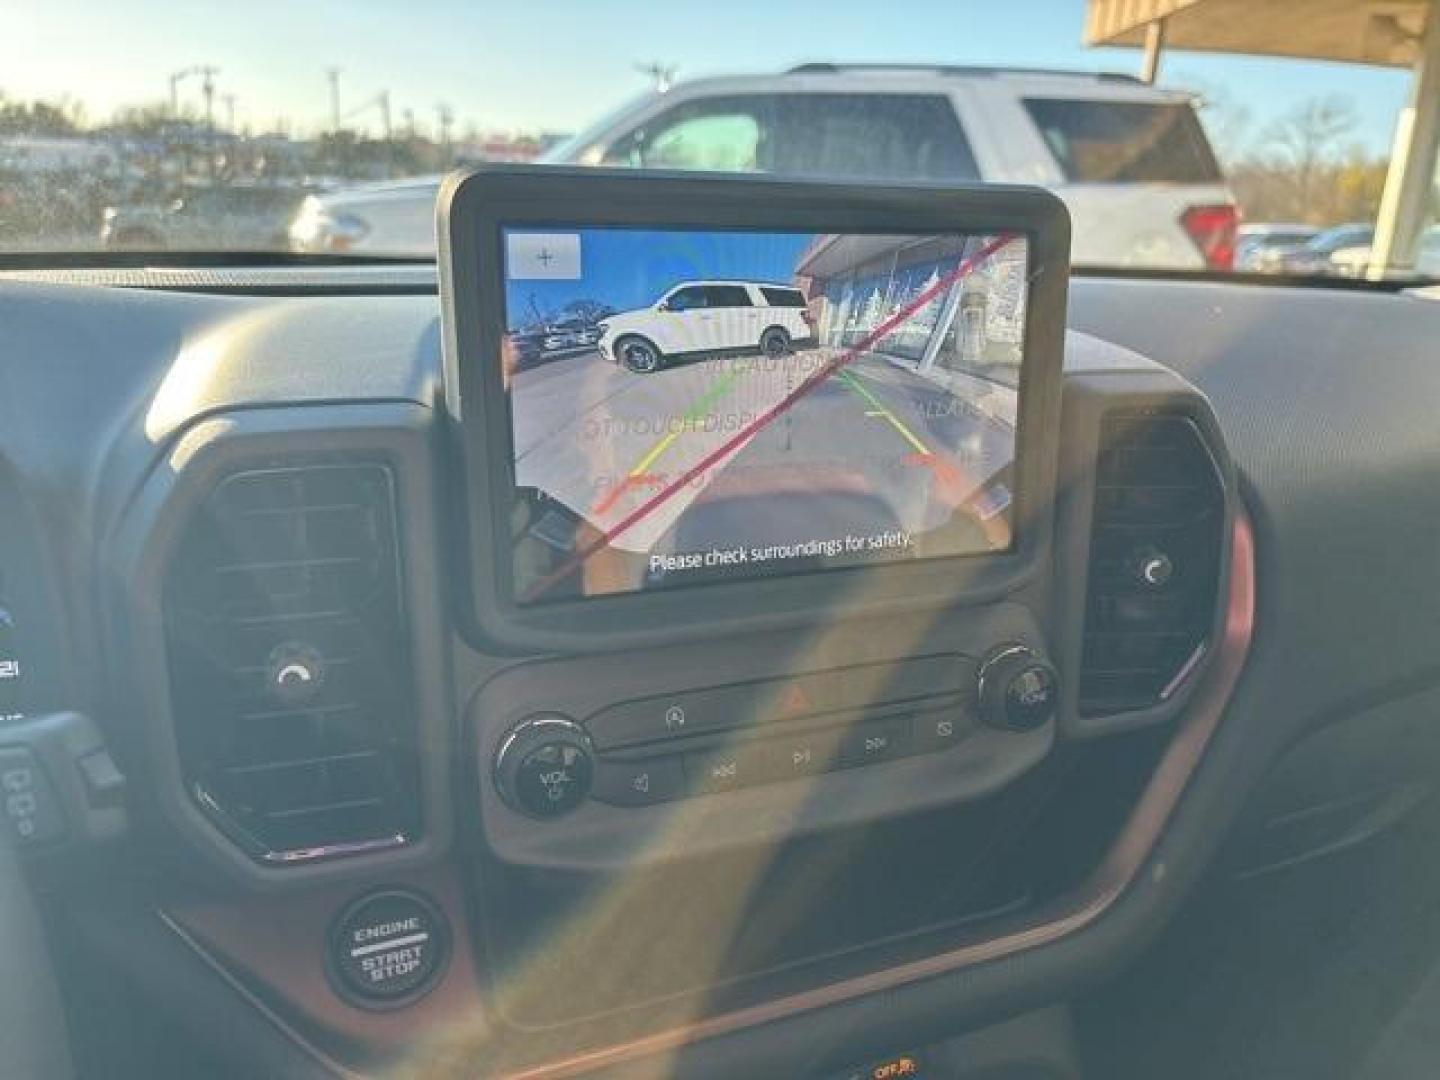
{"x": 1154, "y": 45}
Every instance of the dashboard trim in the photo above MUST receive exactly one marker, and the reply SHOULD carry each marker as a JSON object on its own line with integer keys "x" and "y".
{"x": 231, "y": 980}
{"x": 141, "y": 548}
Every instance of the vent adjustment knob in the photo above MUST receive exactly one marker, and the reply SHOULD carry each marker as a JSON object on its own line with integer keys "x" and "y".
{"x": 1150, "y": 568}
{"x": 294, "y": 673}
{"x": 544, "y": 766}
{"x": 1018, "y": 690}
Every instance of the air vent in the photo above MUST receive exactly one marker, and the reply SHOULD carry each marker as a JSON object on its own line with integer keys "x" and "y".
{"x": 1154, "y": 561}
{"x": 290, "y": 678}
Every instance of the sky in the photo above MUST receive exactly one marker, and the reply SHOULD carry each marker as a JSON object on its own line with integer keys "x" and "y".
{"x": 559, "y": 64}
{"x": 631, "y": 268}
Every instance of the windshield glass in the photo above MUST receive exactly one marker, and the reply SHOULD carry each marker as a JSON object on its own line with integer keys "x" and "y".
{"x": 277, "y": 127}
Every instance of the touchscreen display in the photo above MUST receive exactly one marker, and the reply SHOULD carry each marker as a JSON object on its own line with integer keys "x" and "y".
{"x": 691, "y": 407}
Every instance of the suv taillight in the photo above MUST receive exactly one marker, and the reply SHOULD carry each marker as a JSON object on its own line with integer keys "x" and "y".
{"x": 1213, "y": 229}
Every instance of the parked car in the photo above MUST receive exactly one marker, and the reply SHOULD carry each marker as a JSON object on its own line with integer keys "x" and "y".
{"x": 707, "y": 317}
{"x": 560, "y": 337}
{"x": 550, "y": 335}
{"x": 1355, "y": 261}
{"x": 226, "y": 217}
{"x": 572, "y": 333}
{"x": 393, "y": 218}
{"x": 1258, "y": 244}
{"x": 1313, "y": 257}
{"x": 1131, "y": 161}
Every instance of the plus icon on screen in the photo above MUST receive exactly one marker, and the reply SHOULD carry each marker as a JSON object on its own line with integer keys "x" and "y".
{"x": 545, "y": 257}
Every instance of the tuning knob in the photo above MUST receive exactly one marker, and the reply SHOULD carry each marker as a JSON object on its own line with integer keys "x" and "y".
{"x": 1018, "y": 690}
{"x": 544, "y": 766}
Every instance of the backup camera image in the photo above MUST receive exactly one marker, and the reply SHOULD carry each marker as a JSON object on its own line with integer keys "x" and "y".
{"x": 690, "y": 407}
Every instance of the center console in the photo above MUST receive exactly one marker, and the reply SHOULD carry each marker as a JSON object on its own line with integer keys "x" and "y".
{"x": 813, "y": 643}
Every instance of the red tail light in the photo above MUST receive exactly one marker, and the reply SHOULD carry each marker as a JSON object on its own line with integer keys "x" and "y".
{"x": 1213, "y": 229}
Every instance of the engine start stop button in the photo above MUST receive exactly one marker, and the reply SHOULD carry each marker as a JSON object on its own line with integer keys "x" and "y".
{"x": 388, "y": 948}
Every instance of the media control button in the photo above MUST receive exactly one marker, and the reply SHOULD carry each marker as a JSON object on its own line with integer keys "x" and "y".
{"x": 939, "y": 729}
{"x": 728, "y": 769}
{"x": 803, "y": 754}
{"x": 639, "y": 783}
{"x": 875, "y": 740}
{"x": 388, "y": 948}
{"x": 768, "y": 701}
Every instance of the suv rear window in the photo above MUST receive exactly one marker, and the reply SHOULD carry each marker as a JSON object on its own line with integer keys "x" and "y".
{"x": 783, "y": 297}
{"x": 721, "y": 296}
{"x": 1125, "y": 142}
{"x": 870, "y": 136}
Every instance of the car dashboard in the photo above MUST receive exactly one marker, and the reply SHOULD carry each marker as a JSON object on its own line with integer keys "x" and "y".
{"x": 277, "y": 779}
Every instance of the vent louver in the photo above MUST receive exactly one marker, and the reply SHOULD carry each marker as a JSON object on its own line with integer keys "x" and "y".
{"x": 1154, "y": 561}
{"x": 290, "y": 676}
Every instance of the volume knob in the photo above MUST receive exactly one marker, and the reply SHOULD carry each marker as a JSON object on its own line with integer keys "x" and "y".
{"x": 544, "y": 766}
{"x": 1018, "y": 690}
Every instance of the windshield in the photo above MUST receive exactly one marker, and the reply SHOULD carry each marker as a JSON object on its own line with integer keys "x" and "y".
{"x": 276, "y": 127}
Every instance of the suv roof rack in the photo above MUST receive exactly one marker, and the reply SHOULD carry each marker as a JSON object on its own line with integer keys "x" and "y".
{"x": 827, "y": 68}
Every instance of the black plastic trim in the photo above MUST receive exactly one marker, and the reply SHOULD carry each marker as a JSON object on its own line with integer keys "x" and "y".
{"x": 140, "y": 551}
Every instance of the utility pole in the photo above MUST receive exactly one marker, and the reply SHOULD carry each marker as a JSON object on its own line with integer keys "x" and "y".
{"x": 207, "y": 87}
{"x": 229, "y": 100}
{"x": 380, "y": 101}
{"x": 383, "y": 100}
{"x": 662, "y": 74}
{"x": 409, "y": 117}
{"x": 445, "y": 116}
{"x": 176, "y": 78}
{"x": 333, "y": 74}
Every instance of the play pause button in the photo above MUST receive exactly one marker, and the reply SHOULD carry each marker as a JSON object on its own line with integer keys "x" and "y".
{"x": 803, "y": 755}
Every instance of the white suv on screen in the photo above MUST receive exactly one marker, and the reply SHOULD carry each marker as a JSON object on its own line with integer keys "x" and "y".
{"x": 708, "y": 317}
{"x": 1130, "y": 161}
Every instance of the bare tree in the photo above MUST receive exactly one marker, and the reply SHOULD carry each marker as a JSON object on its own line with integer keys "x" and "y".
{"x": 64, "y": 117}
{"x": 1305, "y": 144}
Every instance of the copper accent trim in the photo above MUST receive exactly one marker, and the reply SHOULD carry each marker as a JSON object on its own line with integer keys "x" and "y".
{"x": 1126, "y": 858}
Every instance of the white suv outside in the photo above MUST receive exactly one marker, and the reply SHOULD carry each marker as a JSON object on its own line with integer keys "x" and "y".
{"x": 707, "y": 317}
{"x": 1130, "y": 161}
